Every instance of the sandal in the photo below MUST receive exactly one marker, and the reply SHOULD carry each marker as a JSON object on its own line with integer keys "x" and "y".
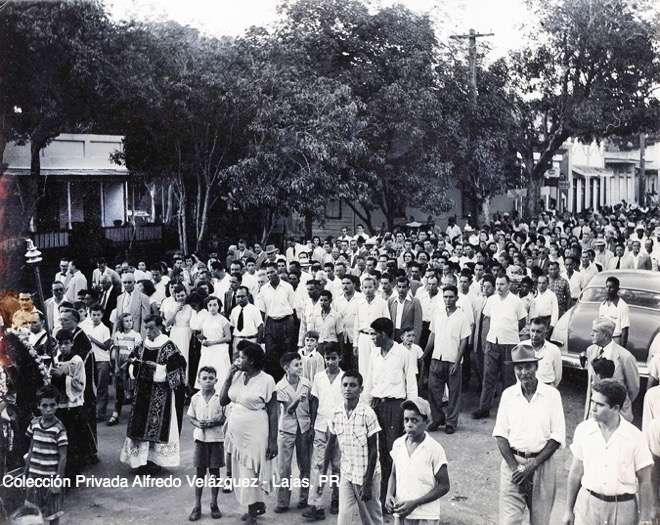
{"x": 113, "y": 421}
{"x": 195, "y": 514}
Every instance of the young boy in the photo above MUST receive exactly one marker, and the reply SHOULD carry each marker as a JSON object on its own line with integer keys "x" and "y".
{"x": 85, "y": 323}
{"x": 326, "y": 397}
{"x": 354, "y": 428}
{"x": 419, "y": 475}
{"x": 208, "y": 417}
{"x": 408, "y": 340}
{"x": 99, "y": 336}
{"x": 312, "y": 359}
{"x": 294, "y": 429}
{"x": 69, "y": 379}
{"x": 46, "y": 458}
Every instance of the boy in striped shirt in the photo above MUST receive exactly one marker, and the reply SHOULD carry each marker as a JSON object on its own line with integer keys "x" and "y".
{"x": 47, "y": 456}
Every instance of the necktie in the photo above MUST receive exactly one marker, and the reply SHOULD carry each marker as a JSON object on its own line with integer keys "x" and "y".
{"x": 618, "y": 263}
{"x": 239, "y": 323}
{"x": 601, "y": 351}
{"x": 104, "y": 302}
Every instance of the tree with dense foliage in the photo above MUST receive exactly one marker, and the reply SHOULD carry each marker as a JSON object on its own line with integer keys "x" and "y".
{"x": 588, "y": 72}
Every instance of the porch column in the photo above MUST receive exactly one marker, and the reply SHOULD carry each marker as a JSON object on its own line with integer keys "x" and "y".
{"x": 594, "y": 192}
{"x": 603, "y": 190}
{"x": 68, "y": 204}
{"x": 101, "y": 193}
{"x": 578, "y": 205}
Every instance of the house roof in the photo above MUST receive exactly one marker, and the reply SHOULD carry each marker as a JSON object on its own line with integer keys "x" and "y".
{"x": 72, "y": 172}
{"x": 590, "y": 171}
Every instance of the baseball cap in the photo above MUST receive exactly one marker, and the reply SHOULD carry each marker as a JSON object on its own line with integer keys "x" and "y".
{"x": 421, "y": 405}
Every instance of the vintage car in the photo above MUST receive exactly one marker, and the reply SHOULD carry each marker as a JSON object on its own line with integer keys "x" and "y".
{"x": 640, "y": 289}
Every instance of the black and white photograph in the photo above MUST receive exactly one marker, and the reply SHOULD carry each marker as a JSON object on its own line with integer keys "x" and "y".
{"x": 276, "y": 262}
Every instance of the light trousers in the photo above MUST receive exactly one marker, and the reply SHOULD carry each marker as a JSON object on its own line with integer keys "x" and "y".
{"x": 353, "y": 510}
{"x": 512, "y": 504}
{"x": 589, "y": 510}
{"x": 318, "y": 454}
{"x": 286, "y": 442}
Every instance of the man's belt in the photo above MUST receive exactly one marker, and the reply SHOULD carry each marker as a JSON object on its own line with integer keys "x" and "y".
{"x": 245, "y": 337}
{"x": 385, "y": 399}
{"x": 365, "y": 332}
{"x": 525, "y": 455}
{"x": 278, "y": 319}
{"x": 612, "y": 499}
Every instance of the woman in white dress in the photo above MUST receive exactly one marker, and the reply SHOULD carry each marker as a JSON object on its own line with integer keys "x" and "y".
{"x": 215, "y": 335}
{"x": 177, "y": 316}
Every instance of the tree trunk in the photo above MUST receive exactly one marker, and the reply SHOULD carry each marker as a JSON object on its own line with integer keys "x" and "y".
{"x": 534, "y": 180}
{"x": 32, "y": 196}
{"x": 485, "y": 210}
{"x": 201, "y": 233}
{"x": 308, "y": 224}
{"x": 267, "y": 226}
{"x": 169, "y": 204}
{"x": 182, "y": 222}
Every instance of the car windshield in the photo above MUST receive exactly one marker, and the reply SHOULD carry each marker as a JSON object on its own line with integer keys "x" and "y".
{"x": 642, "y": 298}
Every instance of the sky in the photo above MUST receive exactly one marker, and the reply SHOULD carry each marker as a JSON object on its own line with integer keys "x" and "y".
{"x": 231, "y": 17}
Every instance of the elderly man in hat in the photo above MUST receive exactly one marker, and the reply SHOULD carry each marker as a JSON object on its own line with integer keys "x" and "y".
{"x": 530, "y": 427}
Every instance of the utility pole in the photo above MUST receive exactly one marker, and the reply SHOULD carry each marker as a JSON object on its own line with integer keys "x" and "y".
{"x": 472, "y": 62}
{"x": 472, "y": 57}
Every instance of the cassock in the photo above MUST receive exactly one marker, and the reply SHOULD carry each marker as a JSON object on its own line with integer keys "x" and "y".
{"x": 82, "y": 347}
{"x": 154, "y": 425}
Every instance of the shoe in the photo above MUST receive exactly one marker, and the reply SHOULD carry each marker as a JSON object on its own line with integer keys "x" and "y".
{"x": 433, "y": 427}
{"x": 314, "y": 514}
{"x": 302, "y": 504}
{"x": 260, "y": 508}
{"x": 195, "y": 514}
{"x": 226, "y": 490}
{"x": 215, "y": 512}
{"x": 480, "y": 414}
{"x": 449, "y": 429}
{"x": 334, "y": 507}
{"x": 280, "y": 509}
{"x": 113, "y": 421}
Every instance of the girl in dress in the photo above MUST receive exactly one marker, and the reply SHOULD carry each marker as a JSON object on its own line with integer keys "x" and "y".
{"x": 215, "y": 336}
{"x": 177, "y": 318}
{"x": 124, "y": 341}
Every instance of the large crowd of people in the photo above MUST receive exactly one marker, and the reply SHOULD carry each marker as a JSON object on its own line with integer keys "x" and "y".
{"x": 348, "y": 350}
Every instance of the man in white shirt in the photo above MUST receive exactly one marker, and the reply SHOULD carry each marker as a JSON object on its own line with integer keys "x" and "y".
{"x": 346, "y": 306}
{"x": 221, "y": 280}
{"x": 249, "y": 279}
{"x": 63, "y": 275}
{"x": 275, "y": 300}
{"x": 529, "y": 429}
{"x": 99, "y": 336}
{"x": 101, "y": 270}
{"x": 450, "y": 332}
{"x": 507, "y": 315}
{"x": 161, "y": 281}
{"x": 549, "y": 370}
{"x": 309, "y": 308}
{"x": 577, "y": 281}
{"x": 246, "y": 320}
{"x": 610, "y": 478}
{"x": 390, "y": 381}
{"x": 52, "y": 306}
{"x": 370, "y": 309}
{"x": 77, "y": 282}
{"x": 545, "y": 303}
{"x": 615, "y": 309}
{"x": 587, "y": 268}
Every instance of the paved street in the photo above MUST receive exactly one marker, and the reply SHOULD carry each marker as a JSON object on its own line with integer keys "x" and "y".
{"x": 473, "y": 469}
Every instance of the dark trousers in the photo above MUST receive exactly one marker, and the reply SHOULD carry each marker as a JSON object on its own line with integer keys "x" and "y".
{"x": 390, "y": 418}
{"x": 439, "y": 376}
{"x": 279, "y": 337}
{"x": 422, "y": 381}
{"x": 495, "y": 369}
{"x": 80, "y": 439}
{"x": 102, "y": 379}
{"x": 347, "y": 358}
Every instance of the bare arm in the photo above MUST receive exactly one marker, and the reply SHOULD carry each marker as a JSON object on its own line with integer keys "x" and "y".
{"x": 572, "y": 489}
{"x": 273, "y": 414}
{"x": 646, "y": 495}
{"x": 441, "y": 487}
{"x": 624, "y": 336}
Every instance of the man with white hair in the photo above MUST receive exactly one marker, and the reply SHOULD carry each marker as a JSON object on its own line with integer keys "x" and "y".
{"x": 625, "y": 364}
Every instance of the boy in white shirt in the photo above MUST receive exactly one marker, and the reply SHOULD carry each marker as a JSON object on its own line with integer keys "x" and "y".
{"x": 99, "y": 336}
{"x": 419, "y": 476}
{"x": 312, "y": 360}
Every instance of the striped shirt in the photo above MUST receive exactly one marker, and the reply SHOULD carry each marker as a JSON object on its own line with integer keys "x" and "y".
{"x": 45, "y": 448}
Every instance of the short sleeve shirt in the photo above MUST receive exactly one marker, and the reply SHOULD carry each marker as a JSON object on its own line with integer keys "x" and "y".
{"x": 286, "y": 393}
{"x": 504, "y": 315}
{"x": 352, "y": 435}
{"x": 46, "y": 442}
{"x": 202, "y": 410}
{"x": 618, "y": 313}
{"x": 610, "y": 467}
{"x": 415, "y": 474}
{"x": 449, "y": 332}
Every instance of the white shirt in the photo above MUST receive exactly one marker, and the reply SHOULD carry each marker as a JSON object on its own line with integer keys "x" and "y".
{"x": 367, "y": 312}
{"x": 277, "y": 302}
{"x": 611, "y": 467}
{"x": 545, "y": 304}
{"x": 504, "y": 315}
{"x": 399, "y": 312}
{"x": 392, "y": 375}
{"x": 202, "y": 410}
{"x": 251, "y": 320}
{"x": 449, "y": 332}
{"x": 220, "y": 286}
{"x": 347, "y": 310}
{"x": 429, "y": 304}
{"x": 330, "y": 398}
{"x": 550, "y": 366}
{"x": 529, "y": 425}
{"x": 415, "y": 474}
{"x": 618, "y": 313}
{"x": 651, "y": 419}
{"x": 250, "y": 282}
{"x": 577, "y": 282}
{"x": 101, "y": 333}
